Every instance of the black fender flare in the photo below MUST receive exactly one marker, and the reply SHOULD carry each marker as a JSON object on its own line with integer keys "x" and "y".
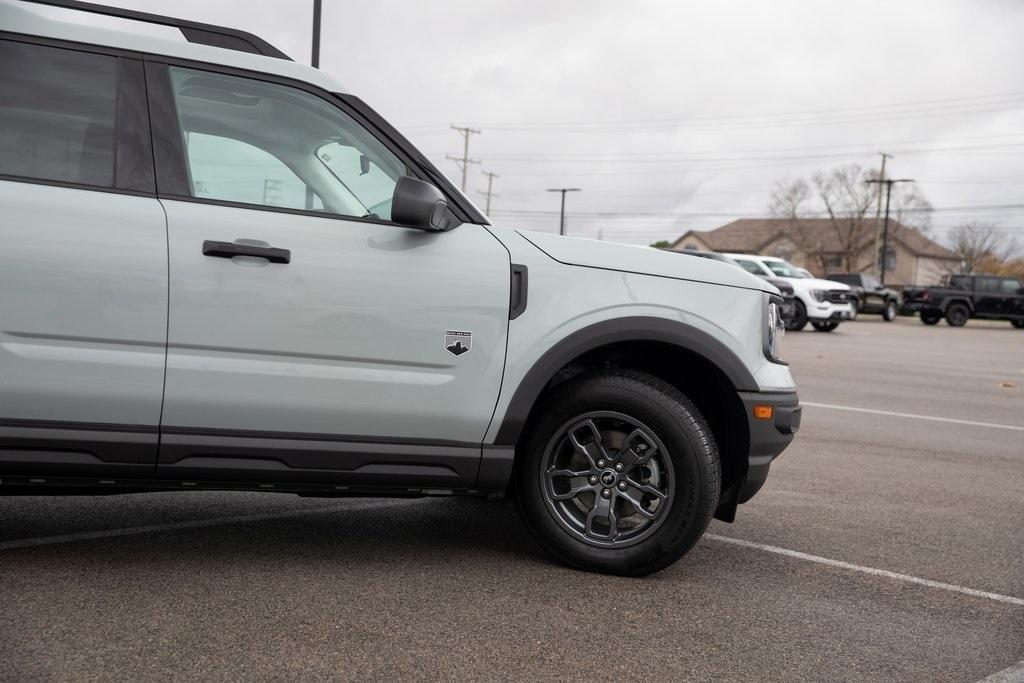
{"x": 637, "y": 328}
{"x": 950, "y": 300}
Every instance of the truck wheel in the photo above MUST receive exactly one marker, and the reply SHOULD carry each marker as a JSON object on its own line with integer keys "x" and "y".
{"x": 1019, "y": 324}
{"x": 826, "y": 326}
{"x": 890, "y": 311}
{"x": 930, "y": 317}
{"x": 957, "y": 315}
{"x": 618, "y": 472}
{"x": 799, "y": 320}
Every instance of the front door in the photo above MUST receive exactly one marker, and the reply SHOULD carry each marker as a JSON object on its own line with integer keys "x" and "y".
{"x": 359, "y": 352}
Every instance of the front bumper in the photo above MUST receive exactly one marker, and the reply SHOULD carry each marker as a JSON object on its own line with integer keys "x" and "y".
{"x": 830, "y": 311}
{"x": 768, "y": 437}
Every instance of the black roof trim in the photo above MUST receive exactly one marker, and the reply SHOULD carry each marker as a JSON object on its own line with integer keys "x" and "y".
{"x": 194, "y": 32}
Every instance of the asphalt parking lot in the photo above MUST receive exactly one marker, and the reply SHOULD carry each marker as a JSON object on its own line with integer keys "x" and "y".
{"x": 215, "y": 585}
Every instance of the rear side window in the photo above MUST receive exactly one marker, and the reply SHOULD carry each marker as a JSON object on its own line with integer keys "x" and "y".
{"x": 989, "y": 285}
{"x": 57, "y": 114}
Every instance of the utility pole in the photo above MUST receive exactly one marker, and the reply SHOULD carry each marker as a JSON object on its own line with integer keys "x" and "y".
{"x": 878, "y": 213}
{"x": 885, "y": 230}
{"x": 563, "y": 190}
{"x": 315, "y": 63}
{"x": 489, "y": 194}
{"x": 464, "y": 161}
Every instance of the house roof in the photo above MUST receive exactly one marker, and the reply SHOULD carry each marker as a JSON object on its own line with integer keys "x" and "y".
{"x": 751, "y": 235}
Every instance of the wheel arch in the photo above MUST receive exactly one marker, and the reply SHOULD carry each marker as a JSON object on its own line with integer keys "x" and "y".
{"x": 693, "y": 361}
{"x": 950, "y": 300}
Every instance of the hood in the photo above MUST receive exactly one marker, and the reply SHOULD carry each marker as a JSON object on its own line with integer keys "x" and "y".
{"x": 816, "y": 283}
{"x": 577, "y": 251}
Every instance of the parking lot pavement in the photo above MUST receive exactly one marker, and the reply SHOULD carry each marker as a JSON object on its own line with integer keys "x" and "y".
{"x": 252, "y": 585}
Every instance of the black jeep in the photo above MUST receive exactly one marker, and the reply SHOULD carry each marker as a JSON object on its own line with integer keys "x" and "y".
{"x": 962, "y": 297}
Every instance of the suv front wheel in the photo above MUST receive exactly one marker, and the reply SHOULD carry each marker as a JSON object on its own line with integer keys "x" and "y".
{"x": 618, "y": 473}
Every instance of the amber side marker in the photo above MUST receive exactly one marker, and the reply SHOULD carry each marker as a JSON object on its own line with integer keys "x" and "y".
{"x": 763, "y": 412}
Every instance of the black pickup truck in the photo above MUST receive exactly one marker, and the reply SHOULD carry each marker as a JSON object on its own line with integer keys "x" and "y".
{"x": 962, "y": 297}
{"x": 870, "y": 295}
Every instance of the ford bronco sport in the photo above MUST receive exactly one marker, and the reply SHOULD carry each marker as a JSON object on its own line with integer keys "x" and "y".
{"x": 221, "y": 270}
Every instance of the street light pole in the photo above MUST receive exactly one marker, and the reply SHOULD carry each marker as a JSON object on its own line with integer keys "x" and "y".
{"x": 561, "y": 219}
{"x": 885, "y": 229}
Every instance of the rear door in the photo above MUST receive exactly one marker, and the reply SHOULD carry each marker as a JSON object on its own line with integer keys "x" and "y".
{"x": 988, "y": 296}
{"x": 83, "y": 265}
{"x": 362, "y": 352}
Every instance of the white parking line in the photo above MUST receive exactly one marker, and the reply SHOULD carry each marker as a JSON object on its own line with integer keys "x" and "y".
{"x": 1012, "y": 674}
{"x": 1010, "y": 600}
{"x": 179, "y": 526}
{"x": 972, "y": 423}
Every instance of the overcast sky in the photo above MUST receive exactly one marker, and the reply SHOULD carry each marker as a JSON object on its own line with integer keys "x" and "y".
{"x": 675, "y": 115}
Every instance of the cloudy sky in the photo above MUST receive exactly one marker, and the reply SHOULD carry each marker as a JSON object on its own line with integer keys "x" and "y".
{"x": 675, "y": 115}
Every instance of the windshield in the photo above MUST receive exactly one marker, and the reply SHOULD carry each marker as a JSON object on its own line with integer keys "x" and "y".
{"x": 784, "y": 269}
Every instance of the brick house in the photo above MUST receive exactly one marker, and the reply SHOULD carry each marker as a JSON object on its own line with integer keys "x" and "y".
{"x": 814, "y": 244}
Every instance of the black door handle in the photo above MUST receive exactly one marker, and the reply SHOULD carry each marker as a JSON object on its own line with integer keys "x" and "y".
{"x": 229, "y": 249}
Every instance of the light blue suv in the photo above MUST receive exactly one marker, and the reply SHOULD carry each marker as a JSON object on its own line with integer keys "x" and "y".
{"x": 221, "y": 270}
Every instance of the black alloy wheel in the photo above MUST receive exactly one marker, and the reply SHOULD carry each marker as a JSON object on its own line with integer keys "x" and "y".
{"x": 799, "y": 319}
{"x": 957, "y": 315}
{"x": 607, "y": 496}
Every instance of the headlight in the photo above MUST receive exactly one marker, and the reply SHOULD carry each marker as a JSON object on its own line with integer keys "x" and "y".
{"x": 774, "y": 329}
{"x": 819, "y": 294}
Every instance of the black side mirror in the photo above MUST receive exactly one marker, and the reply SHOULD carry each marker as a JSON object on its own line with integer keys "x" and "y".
{"x": 417, "y": 204}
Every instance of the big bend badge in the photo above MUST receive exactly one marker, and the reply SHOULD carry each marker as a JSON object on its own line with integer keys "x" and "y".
{"x": 458, "y": 342}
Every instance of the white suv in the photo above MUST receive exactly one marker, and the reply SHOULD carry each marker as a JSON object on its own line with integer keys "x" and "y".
{"x": 823, "y": 303}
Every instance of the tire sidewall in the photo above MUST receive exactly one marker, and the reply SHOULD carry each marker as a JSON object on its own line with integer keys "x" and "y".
{"x": 695, "y": 470}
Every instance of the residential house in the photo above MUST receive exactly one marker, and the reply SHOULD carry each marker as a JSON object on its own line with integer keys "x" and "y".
{"x": 817, "y": 245}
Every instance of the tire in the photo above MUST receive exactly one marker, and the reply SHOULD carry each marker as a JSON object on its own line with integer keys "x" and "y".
{"x": 826, "y": 326}
{"x": 930, "y": 318}
{"x": 1019, "y": 324}
{"x": 890, "y": 311}
{"x": 673, "y": 453}
{"x": 799, "y": 320}
{"x": 957, "y": 315}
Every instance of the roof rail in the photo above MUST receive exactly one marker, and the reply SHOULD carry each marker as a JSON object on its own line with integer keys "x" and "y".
{"x": 194, "y": 32}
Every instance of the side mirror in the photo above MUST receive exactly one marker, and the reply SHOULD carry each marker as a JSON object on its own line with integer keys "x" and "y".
{"x": 417, "y": 204}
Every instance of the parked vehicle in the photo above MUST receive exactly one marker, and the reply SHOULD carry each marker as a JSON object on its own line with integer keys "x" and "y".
{"x": 220, "y": 270}
{"x": 870, "y": 295}
{"x": 785, "y": 289}
{"x": 962, "y": 297}
{"x": 821, "y": 302}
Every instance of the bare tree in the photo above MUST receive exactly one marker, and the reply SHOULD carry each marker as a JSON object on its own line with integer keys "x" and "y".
{"x": 847, "y": 200}
{"x": 981, "y": 246}
{"x": 844, "y": 198}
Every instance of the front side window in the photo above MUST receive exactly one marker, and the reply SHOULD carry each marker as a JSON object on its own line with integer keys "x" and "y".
{"x": 1011, "y": 286}
{"x": 261, "y": 143}
{"x": 57, "y": 114}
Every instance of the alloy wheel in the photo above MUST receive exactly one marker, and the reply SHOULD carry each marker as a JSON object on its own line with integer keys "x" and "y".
{"x": 607, "y": 479}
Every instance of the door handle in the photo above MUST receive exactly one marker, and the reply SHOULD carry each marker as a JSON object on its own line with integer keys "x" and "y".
{"x": 229, "y": 249}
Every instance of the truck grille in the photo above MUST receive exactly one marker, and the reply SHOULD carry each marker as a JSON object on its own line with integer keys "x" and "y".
{"x": 838, "y": 296}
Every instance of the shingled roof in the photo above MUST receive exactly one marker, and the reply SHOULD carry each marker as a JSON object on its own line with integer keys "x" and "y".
{"x": 751, "y": 235}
